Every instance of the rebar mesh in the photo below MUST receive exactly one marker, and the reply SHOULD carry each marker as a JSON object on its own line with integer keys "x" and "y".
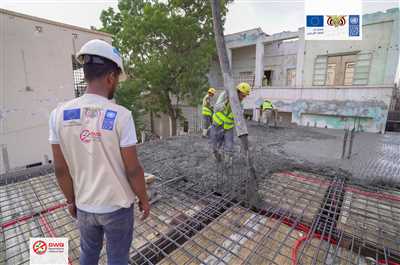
{"x": 221, "y": 215}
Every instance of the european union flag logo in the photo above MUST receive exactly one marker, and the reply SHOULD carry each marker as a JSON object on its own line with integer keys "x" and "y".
{"x": 315, "y": 21}
{"x": 72, "y": 114}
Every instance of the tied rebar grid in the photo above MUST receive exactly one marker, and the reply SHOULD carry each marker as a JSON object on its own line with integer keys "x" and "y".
{"x": 208, "y": 216}
{"x": 33, "y": 207}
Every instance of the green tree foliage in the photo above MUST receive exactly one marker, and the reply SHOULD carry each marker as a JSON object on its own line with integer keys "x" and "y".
{"x": 168, "y": 47}
{"x": 128, "y": 95}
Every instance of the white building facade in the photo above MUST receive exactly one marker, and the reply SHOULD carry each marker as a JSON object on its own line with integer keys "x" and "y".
{"x": 37, "y": 71}
{"x": 331, "y": 84}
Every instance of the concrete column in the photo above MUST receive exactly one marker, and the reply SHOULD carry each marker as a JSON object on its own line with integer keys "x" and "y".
{"x": 6, "y": 161}
{"x": 229, "y": 52}
{"x": 300, "y": 58}
{"x": 259, "y": 72}
{"x": 393, "y": 55}
{"x": 46, "y": 160}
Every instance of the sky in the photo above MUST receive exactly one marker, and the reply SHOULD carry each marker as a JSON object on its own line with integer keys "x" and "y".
{"x": 271, "y": 15}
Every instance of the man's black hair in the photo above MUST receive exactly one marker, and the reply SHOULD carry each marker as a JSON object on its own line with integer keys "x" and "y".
{"x": 95, "y": 67}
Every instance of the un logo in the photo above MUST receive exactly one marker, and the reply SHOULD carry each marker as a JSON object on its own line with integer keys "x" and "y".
{"x": 354, "y": 20}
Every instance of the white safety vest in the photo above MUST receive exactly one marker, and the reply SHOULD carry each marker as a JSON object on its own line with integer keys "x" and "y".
{"x": 89, "y": 139}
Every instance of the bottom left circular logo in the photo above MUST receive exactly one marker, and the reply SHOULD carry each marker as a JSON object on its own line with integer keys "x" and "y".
{"x": 40, "y": 247}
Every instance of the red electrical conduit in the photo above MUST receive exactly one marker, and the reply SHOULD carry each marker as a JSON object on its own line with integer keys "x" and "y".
{"x": 42, "y": 220}
{"x": 306, "y": 229}
{"x": 30, "y": 216}
{"x": 375, "y": 195}
{"x": 49, "y": 230}
{"x": 389, "y": 262}
{"x": 307, "y": 178}
{"x": 299, "y": 241}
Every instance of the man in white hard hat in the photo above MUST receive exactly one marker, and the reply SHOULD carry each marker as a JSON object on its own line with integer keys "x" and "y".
{"x": 96, "y": 164}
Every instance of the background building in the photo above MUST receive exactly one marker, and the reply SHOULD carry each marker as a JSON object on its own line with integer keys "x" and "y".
{"x": 332, "y": 84}
{"x": 37, "y": 71}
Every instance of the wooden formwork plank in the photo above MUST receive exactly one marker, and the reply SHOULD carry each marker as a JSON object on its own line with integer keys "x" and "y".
{"x": 17, "y": 241}
{"x": 318, "y": 251}
{"x": 203, "y": 245}
{"x": 297, "y": 193}
{"x": 29, "y": 196}
{"x": 371, "y": 218}
{"x": 64, "y": 225}
{"x": 231, "y": 239}
{"x": 164, "y": 217}
{"x": 46, "y": 190}
{"x": 242, "y": 237}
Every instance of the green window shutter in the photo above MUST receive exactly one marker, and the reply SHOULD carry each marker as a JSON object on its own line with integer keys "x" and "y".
{"x": 362, "y": 69}
{"x": 319, "y": 75}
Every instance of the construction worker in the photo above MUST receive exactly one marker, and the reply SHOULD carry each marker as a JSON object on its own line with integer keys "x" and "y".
{"x": 207, "y": 110}
{"x": 221, "y": 133}
{"x": 268, "y": 112}
{"x": 96, "y": 164}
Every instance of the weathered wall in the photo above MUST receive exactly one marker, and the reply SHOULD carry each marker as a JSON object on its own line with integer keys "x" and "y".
{"x": 42, "y": 62}
{"x": 244, "y": 38}
{"x": 377, "y": 60}
{"x": 279, "y": 57}
{"x": 243, "y": 60}
{"x": 380, "y": 39}
{"x": 332, "y": 107}
{"x": 162, "y": 125}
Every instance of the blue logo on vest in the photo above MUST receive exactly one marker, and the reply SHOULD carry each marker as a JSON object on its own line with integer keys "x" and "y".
{"x": 71, "y": 114}
{"x": 109, "y": 118}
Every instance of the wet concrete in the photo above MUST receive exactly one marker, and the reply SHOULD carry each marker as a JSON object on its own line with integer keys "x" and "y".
{"x": 374, "y": 158}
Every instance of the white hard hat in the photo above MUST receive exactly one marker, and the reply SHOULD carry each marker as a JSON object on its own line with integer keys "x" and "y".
{"x": 102, "y": 49}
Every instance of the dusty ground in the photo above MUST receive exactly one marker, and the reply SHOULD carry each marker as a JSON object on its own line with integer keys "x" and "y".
{"x": 375, "y": 158}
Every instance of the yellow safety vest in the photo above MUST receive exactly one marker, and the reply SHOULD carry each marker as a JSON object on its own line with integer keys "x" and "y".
{"x": 206, "y": 111}
{"x": 224, "y": 118}
{"x": 267, "y": 105}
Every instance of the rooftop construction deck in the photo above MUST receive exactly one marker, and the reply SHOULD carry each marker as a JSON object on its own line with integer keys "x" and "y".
{"x": 307, "y": 206}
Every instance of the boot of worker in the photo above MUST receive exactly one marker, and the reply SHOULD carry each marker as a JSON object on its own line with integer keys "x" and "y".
{"x": 228, "y": 159}
{"x": 205, "y": 133}
{"x": 218, "y": 156}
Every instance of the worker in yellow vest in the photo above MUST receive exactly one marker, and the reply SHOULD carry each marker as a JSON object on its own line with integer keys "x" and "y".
{"x": 207, "y": 110}
{"x": 268, "y": 112}
{"x": 221, "y": 133}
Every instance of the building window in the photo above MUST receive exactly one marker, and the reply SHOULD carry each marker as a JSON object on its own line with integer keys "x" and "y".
{"x": 267, "y": 78}
{"x": 349, "y": 73}
{"x": 330, "y": 74}
{"x": 247, "y": 77}
{"x": 340, "y": 70}
{"x": 291, "y": 77}
{"x": 79, "y": 79}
